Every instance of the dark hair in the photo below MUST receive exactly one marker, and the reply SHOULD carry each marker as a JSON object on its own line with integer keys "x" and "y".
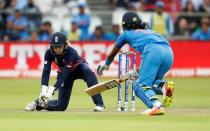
{"x": 145, "y": 25}
{"x": 139, "y": 25}
{"x": 131, "y": 20}
{"x": 185, "y": 9}
{"x": 47, "y": 23}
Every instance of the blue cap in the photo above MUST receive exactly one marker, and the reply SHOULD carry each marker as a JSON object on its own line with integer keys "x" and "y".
{"x": 74, "y": 21}
{"x": 130, "y": 18}
{"x": 81, "y": 5}
{"x": 160, "y": 4}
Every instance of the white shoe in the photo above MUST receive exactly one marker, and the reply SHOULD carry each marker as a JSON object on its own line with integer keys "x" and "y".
{"x": 31, "y": 106}
{"x": 156, "y": 110}
{"x": 99, "y": 109}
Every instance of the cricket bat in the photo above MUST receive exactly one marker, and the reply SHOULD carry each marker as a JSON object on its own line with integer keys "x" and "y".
{"x": 107, "y": 85}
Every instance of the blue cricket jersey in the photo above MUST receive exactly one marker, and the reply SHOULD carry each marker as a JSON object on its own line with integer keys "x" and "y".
{"x": 66, "y": 63}
{"x": 83, "y": 22}
{"x": 138, "y": 38}
{"x": 201, "y": 35}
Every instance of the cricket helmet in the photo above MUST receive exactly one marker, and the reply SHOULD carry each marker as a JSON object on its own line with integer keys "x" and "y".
{"x": 131, "y": 20}
{"x": 57, "y": 39}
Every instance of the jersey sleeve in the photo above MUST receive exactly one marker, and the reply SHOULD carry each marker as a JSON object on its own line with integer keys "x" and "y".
{"x": 121, "y": 40}
{"x": 46, "y": 69}
{"x": 72, "y": 61}
{"x": 195, "y": 35}
{"x": 61, "y": 77}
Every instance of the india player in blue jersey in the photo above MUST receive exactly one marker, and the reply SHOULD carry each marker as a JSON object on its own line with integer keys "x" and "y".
{"x": 71, "y": 67}
{"x": 156, "y": 60}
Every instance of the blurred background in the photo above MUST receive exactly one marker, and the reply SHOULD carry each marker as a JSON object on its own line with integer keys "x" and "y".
{"x": 82, "y": 20}
{"x": 94, "y": 25}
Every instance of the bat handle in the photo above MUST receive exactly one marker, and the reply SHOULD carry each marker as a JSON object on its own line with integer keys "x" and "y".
{"x": 122, "y": 80}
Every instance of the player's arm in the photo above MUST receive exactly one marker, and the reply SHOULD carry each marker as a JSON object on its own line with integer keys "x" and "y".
{"x": 72, "y": 61}
{"x": 112, "y": 55}
{"x": 46, "y": 73}
{"x": 47, "y": 68}
{"x": 45, "y": 76}
{"x": 120, "y": 42}
{"x": 48, "y": 58}
{"x": 62, "y": 76}
{"x": 60, "y": 79}
{"x": 109, "y": 60}
{"x": 118, "y": 45}
{"x": 47, "y": 92}
{"x": 71, "y": 66}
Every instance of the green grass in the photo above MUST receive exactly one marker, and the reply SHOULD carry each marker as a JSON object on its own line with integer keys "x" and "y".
{"x": 190, "y": 110}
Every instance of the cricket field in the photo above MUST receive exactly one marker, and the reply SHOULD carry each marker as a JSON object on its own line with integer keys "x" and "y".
{"x": 190, "y": 110}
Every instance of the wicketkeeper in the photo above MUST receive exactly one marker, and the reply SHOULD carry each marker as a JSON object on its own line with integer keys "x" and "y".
{"x": 71, "y": 67}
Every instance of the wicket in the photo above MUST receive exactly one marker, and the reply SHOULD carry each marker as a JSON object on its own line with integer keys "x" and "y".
{"x": 126, "y": 94}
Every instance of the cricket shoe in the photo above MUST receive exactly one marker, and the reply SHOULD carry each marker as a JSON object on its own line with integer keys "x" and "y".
{"x": 31, "y": 106}
{"x": 168, "y": 93}
{"x": 99, "y": 109}
{"x": 157, "y": 109}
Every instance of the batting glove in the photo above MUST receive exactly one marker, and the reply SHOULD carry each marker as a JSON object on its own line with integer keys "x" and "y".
{"x": 132, "y": 75}
{"x": 101, "y": 68}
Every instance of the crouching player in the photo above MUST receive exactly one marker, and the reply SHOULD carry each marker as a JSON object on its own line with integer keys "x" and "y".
{"x": 71, "y": 67}
{"x": 157, "y": 59}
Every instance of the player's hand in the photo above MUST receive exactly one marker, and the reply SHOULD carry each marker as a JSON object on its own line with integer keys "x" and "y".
{"x": 50, "y": 93}
{"x": 101, "y": 68}
{"x": 132, "y": 75}
{"x": 46, "y": 96}
{"x": 68, "y": 42}
{"x": 42, "y": 95}
{"x": 43, "y": 101}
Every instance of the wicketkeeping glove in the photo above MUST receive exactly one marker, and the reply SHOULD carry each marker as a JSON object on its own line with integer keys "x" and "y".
{"x": 50, "y": 92}
{"x": 42, "y": 94}
{"x": 132, "y": 75}
{"x": 101, "y": 68}
{"x": 45, "y": 97}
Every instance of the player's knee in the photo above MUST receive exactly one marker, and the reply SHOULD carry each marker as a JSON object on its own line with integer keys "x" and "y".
{"x": 86, "y": 69}
{"x": 136, "y": 85}
{"x": 89, "y": 76}
{"x": 140, "y": 88}
{"x": 63, "y": 109}
{"x": 137, "y": 90}
{"x": 62, "y": 106}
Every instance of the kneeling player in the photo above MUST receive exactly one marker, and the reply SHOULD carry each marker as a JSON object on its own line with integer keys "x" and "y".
{"x": 71, "y": 67}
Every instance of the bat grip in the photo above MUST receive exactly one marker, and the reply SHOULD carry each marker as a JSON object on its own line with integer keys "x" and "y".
{"x": 122, "y": 80}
